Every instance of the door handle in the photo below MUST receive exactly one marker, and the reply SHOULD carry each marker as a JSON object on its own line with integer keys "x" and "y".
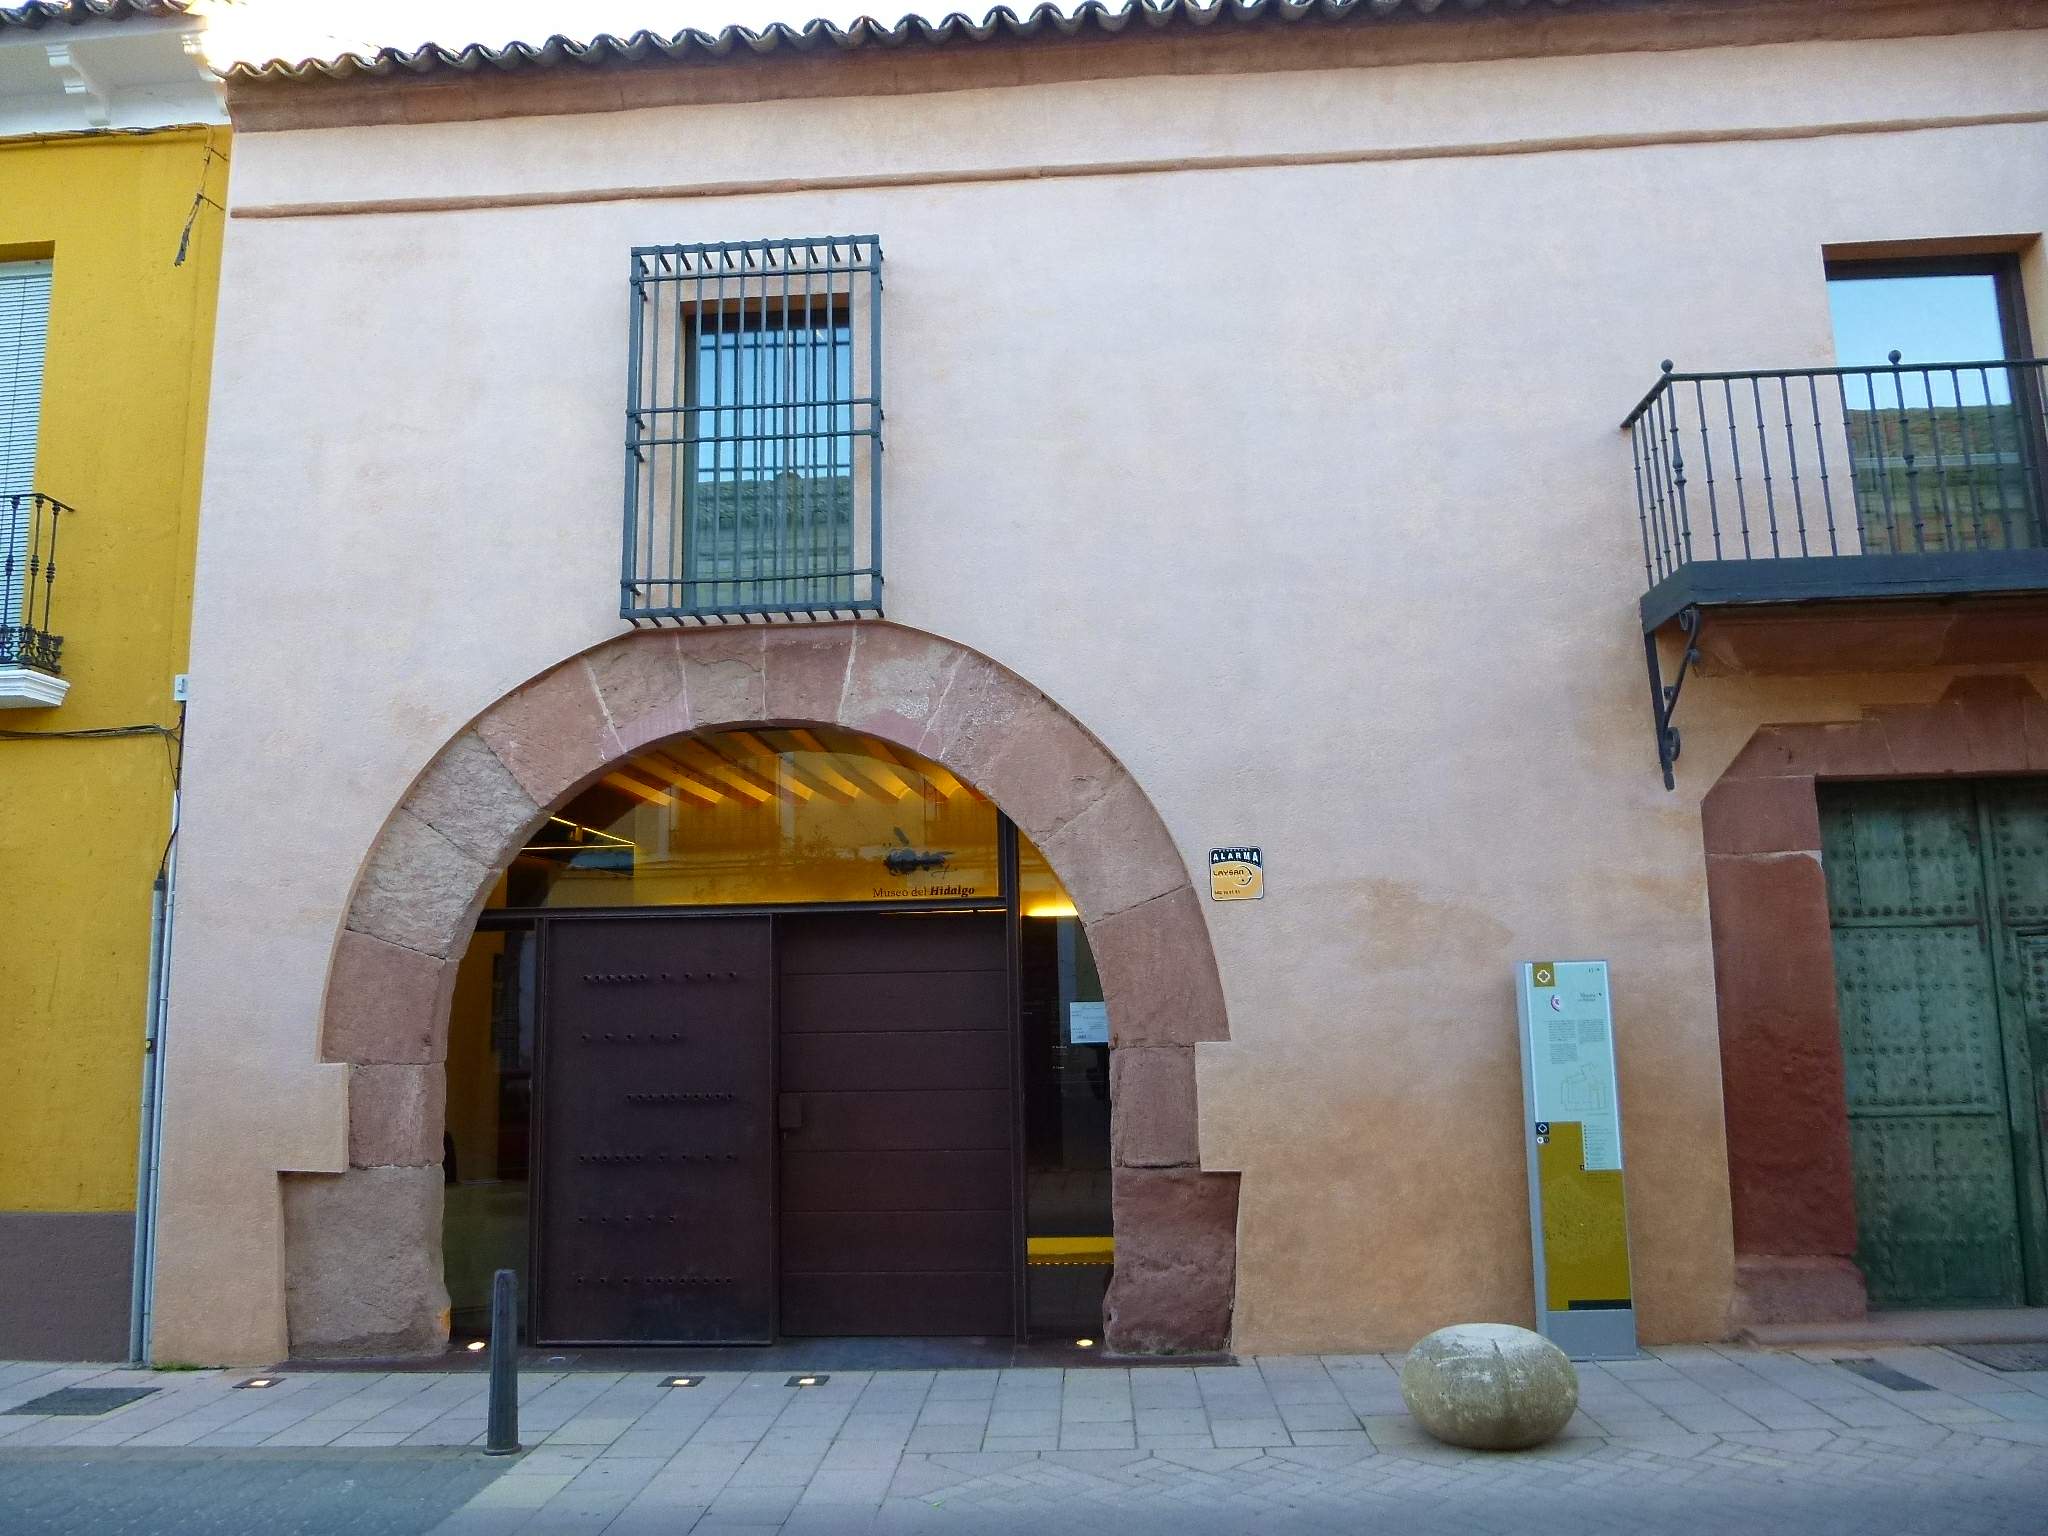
{"x": 789, "y": 1112}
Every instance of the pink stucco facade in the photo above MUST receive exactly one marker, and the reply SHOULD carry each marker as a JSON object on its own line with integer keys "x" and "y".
{"x": 1265, "y": 421}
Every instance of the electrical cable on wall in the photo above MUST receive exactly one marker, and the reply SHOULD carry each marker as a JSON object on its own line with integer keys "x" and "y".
{"x": 199, "y": 200}
{"x": 173, "y": 737}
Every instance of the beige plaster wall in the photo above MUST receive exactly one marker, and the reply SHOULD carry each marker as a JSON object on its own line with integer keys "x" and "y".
{"x": 1300, "y": 485}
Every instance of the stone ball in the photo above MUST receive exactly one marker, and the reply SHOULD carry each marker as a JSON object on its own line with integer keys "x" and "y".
{"x": 1490, "y": 1387}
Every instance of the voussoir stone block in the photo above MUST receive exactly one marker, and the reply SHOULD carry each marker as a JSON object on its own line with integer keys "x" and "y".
{"x": 385, "y": 1003}
{"x": 807, "y": 669}
{"x": 418, "y": 889}
{"x": 553, "y": 733}
{"x": 363, "y": 1263}
{"x": 472, "y": 799}
{"x": 1047, "y": 770}
{"x": 1152, "y": 1099}
{"x": 640, "y": 686}
{"x": 896, "y": 681}
{"x": 725, "y": 671}
{"x": 395, "y": 1115}
{"x": 1176, "y": 1261}
{"x": 1115, "y": 854}
{"x": 1155, "y": 960}
{"x": 1490, "y": 1387}
{"x": 976, "y": 717}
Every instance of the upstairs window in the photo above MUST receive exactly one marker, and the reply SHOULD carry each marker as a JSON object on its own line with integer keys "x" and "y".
{"x": 753, "y": 439}
{"x": 24, "y": 334}
{"x": 1943, "y": 416}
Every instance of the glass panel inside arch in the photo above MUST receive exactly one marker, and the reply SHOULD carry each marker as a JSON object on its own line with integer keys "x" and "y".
{"x": 767, "y": 817}
{"x": 905, "y": 1114}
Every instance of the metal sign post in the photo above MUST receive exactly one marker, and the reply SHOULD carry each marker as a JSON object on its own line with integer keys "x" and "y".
{"x": 1578, "y": 1216}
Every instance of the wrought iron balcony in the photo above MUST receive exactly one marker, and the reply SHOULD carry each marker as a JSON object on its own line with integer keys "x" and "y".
{"x": 1920, "y": 479}
{"x": 1834, "y": 485}
{"x": 28, "y": 581}
{"x": 754, "y": 432}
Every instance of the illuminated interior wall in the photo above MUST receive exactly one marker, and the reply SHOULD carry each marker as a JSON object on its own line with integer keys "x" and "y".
{"x": 763, "y": 818}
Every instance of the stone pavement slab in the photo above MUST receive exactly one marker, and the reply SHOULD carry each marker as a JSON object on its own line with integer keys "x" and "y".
{"x": 1699, "y": 1439}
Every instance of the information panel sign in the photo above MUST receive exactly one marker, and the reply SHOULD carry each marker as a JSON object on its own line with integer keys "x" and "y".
{"x": 1578, "y": 1216}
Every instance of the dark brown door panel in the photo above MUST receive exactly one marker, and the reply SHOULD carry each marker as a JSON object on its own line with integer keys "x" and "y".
{"x": 892, "y": 1305}
{"x": 946, "y": 1059}
{"x": 877, "y": 1181}
{"x": 656, "y": 1193}
{"x": 896, "y": 1115}
{"x": 895, "y": 1242}
{"x": 830, "y": 1001}
{"x": 970, "y": 1121}
{"x": 890, "y": 943}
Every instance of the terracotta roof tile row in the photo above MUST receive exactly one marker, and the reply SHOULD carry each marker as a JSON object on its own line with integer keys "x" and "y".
{"x": 44, "y": 13}
{"x": 1092, "y": 18}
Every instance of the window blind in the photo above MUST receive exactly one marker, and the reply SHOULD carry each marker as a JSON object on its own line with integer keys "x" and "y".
{"x": 24, "y": 336}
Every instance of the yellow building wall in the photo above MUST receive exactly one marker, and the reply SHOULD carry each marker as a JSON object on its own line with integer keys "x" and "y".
{"x": 83, "y": 823}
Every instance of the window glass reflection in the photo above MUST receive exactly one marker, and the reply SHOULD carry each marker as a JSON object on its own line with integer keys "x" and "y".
{"x": 1065, "y": 1027}
{"x": 490, "y": 1089}
{"x": 1940, "y": 456}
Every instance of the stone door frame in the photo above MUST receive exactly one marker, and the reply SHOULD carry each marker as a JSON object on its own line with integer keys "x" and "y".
{"x": 363, "y": 1248}
{"x": 1785, "y": 1092}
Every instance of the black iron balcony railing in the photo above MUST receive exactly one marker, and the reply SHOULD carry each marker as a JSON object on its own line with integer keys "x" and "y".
{"x": 754, "y": 432}
{"x": 28, "y": 580}
{"x": 1917, "y": 479}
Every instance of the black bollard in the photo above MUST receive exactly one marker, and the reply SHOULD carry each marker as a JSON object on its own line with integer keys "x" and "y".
{"x": 502, "y": 1438}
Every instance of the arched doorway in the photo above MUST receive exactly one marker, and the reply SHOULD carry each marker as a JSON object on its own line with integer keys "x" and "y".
{"x": 363, "y": 1248}
{"x": 779, "y": 1032}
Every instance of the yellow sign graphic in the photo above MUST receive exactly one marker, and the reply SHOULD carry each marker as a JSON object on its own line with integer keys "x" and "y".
{"x": 1236, "y": 874}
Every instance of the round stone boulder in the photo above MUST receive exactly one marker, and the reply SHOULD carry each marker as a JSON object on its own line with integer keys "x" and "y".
{"x": 1490, "y": 1387}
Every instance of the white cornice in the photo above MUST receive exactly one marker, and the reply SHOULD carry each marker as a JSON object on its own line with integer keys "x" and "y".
{"x": 26, "y": 688}
{"x": 135, "y": 74}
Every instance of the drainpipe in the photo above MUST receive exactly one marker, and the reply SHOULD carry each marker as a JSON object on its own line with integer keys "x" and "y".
{"x": 150, "y": 1136}
{"x": 145, "y": 1161}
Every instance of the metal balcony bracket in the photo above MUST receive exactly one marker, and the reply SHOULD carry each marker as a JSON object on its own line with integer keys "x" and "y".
{"x": 1664, "y": 696}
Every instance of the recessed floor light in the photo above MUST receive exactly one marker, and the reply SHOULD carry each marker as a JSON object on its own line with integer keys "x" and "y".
{"x": 475, "y": 1346}
{"x": 682, "y": 1381}
{"x": 807, "y": 1381}
{"x": 256, "y": 1382}
{"x": 1084, "y": 1343}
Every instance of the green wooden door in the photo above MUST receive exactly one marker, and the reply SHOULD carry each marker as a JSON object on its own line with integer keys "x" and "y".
{"x": 1929, "y": 942}
{"x": 2014, "y": 815}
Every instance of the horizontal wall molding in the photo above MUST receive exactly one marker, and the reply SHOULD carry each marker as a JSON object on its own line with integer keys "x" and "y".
{"x": 1158, "y": 166}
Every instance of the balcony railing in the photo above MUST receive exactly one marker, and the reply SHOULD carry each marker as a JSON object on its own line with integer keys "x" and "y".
{"x": 28, "y": 580}
{"x": 754, "y": 432}
{"x": 1916, "y": 479}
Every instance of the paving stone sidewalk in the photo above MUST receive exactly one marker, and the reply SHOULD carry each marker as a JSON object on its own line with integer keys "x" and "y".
{"x": 1698, "y": 1439}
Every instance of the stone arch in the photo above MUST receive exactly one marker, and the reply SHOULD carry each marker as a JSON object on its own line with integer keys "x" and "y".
{"x": 363, "y": 1248}
{"x": 1785, "y": 1090}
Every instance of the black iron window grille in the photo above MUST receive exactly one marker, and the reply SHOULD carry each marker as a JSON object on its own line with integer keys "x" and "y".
{"x": 28, "y": 580}
{"x": 754, "y": 432}
{"x": 1894, "y": 480}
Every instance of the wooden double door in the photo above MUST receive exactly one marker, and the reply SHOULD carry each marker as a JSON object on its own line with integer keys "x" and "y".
{"x": 1938, "y": 897}
{"x": 754, "y": 1127}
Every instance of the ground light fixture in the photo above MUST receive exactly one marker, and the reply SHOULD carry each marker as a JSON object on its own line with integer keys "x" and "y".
{"x": 256, "y": 1383}
{"x": 682, "y": 1381}
{"x": 807, "y": 1381}
{"x": 1084, "y": 1343}
{"x": 475, "y": 1346}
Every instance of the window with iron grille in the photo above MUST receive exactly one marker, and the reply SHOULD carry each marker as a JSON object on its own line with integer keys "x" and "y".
{"x": 754, "y": 431}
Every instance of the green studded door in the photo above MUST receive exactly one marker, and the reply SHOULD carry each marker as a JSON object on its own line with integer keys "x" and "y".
{"x": 1932, "y": 891}
{"x": 2015, "y": 819}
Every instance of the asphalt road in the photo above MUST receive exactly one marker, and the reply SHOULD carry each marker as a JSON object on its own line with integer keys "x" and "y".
{"x": 169, "y": 1492}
